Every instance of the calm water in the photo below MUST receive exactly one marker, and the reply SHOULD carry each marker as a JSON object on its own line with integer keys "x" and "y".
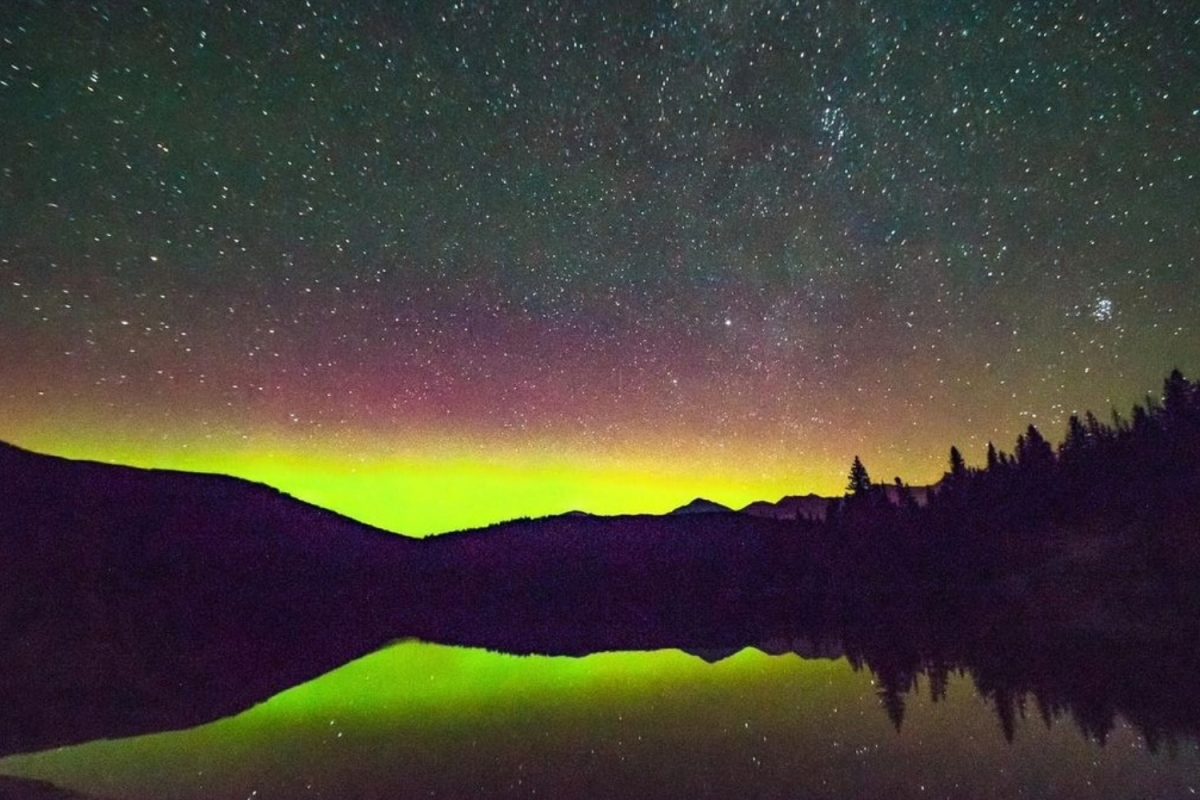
{"x": 423, "y": 720}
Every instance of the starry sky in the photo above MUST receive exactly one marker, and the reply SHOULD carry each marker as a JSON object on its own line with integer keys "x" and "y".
{"x": 436, "y": 265}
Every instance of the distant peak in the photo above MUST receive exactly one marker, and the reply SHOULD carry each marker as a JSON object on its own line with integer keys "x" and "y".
{"x": 792, "y": 506}
{"x": 701, "y": 506}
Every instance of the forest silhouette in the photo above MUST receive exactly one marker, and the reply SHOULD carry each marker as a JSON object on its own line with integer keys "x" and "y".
{"x": 1134, "y": 482}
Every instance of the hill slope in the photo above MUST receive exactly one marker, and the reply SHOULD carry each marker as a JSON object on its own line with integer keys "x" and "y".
{"x": 127, "y": 584}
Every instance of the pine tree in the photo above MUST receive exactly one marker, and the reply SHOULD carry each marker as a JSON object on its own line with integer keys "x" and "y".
{"x": 1177, "y": 391}
{"x": 1033, "y": 451}
{"x": 993, "y": 460}
{"x": 859, "y": 484}
{"x": 958, "y": 466}
{"x": 1077, "y": 439}
{"x": 1119, "y": 423}
{"x": 1141, "y": 420}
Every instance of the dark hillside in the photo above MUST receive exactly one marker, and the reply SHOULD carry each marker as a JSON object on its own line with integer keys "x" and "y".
{"x": 124, "y": 586}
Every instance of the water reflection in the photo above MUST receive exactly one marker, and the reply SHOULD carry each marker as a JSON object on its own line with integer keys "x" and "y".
{"x": 423, "y": 720}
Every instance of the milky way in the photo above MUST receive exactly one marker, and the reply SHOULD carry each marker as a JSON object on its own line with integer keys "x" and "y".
{"x": 578, "y": 254}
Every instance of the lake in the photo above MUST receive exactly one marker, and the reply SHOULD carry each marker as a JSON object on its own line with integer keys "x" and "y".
{"x": 425, "y": 720}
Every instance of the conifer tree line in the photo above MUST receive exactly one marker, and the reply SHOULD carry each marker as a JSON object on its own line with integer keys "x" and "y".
{"x": 1144, "y": 465}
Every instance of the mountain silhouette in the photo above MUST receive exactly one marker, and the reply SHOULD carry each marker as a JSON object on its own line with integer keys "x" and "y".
{"x": 806, "y": 506}
{"x": 702, "y": 506}
{"x": 814, "y": 507}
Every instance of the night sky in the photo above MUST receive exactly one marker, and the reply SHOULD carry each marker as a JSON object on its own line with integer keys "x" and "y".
{"x": 438, "y": 265}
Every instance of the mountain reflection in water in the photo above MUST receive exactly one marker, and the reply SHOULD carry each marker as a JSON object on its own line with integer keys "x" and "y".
{"x": 417, "y": 719}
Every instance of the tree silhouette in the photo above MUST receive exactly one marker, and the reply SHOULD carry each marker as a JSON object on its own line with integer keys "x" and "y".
{"x": 1119, "y": 423}
{"x": 1006, "y": 712}
{"x": 904, "y": 496}
{"x": 1077, "y": 441}
{"x": 993, "y": 460}
{"x": 939, "y": 680}
{"x": 1033, "y": 451}
{"x": 958, "y": 466}
{"x": 859, "y": 484}
{"x": 985, "y": 523}
{"x": 1131, "y": 487}
{"x": 892, "y": 700}
{"x": 1177, "y": 391}
{"x": 1141, "y": 421}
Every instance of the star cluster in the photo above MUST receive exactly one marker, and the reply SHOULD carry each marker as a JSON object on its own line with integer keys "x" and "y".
{"x": 738, "y": 241}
